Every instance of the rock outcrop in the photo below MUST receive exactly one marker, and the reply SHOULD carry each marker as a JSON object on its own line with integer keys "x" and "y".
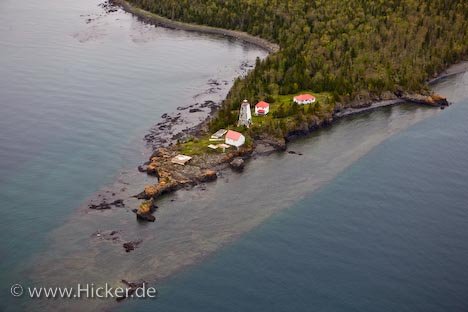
{"x": 431, "y": 100}
{"x": 152, "y": 169}
{"x": 205, "y": 167}
{"x": 200, "y": 169}
{"x": 237, "y": 164}
{"x": 207, "y": 176}
{"x": 309, "y": 126}
{"x": 265, "y": 145}
{"x": 145, "y": 211}
{"x": 130, "y": 246}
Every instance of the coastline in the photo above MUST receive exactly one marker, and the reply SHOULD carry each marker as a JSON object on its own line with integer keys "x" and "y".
{"x": 154, "y": 19}
{"x": 206, "y": 167}
{"x": 194, "y": 222}
{"x": 351, "y": 111}
{"x": 451, "y": 71}
{"x": 94, "y": 252}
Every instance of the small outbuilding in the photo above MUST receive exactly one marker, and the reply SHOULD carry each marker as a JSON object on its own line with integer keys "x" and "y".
{"x": 218, "y": 135}
{"x": 235, "y": 138}
{"x": 262, "y": 108}
{"x": 304, "y": 99}
{"x": 181, "y": 159}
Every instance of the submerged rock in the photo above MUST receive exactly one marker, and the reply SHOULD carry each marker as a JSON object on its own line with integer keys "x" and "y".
{"x": 105, "y": 205}
{"x": 146, "y": 217}
{"x": 130, "y": 246}
{"x": 133, "y": 286}
{"x": 143, "y": 168}
{"x": 294, "y": 153}
{"x": 237, "y": 164}
{"x": 101, "y": 206}
{"x": 208, "y": 175}
{"x": 107, "y": 235}
{"x": 118, "y": 203}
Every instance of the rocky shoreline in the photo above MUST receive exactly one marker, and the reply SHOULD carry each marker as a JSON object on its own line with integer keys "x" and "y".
{"x": 452, "y": 70}
{"x": 154, "y": 19}
{"x": 388, "y": 99}
{"x": 201, "y": 169}
{"x": 208, "y": 166}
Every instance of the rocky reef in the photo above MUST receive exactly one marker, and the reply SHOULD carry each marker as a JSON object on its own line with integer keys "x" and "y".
{"x": 201, "y": 168}
{"x": 434, "y": 99}
{"x": 171, "y": 176}
{"x": 105, "y": 205}
{"x": 145, "y": 211}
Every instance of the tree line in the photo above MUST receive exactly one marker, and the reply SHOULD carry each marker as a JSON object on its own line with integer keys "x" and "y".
{"x": 341, "y": 47}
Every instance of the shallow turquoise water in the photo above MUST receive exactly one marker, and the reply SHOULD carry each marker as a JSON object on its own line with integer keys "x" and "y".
{"x": 387, "y": 234}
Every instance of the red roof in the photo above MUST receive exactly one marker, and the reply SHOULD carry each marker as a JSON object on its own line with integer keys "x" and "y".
{"x": 262, "y": 104}
{"x": 233, "y": 135}
{"x": 304, "y": 97}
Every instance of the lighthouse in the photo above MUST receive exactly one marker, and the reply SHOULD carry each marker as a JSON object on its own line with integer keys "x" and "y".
{"x": 245, "y": 115}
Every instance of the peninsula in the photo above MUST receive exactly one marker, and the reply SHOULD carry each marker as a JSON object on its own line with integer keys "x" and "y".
{"x": 348, "y": 56}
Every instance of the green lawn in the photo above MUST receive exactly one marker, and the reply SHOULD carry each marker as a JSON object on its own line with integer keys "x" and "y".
{"x": 323, "y": 104}
{"x": 286, "y": 101}
{"x": 197, "y": 146}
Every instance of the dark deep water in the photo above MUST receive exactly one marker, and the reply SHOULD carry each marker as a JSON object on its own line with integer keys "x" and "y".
{"x": 389, "y": 233}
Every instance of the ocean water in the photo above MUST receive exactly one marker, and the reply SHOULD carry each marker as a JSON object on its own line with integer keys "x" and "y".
{"x": 370, "y": 217}
{"x": 389, "y": 233}
{"x": 193, "y": 224}
{"x": 79, "y": 88}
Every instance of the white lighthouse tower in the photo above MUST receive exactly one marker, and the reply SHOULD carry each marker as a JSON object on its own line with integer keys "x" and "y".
{"x": 245, "y": 115}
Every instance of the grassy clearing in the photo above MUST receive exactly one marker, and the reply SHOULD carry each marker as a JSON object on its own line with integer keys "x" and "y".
{"x": 284, "y": 110}
{"x": 197, "y": 146}
{"x": 284, "y": 115}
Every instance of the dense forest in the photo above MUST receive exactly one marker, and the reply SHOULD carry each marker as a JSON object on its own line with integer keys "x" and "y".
{"x": 341, "y": 47}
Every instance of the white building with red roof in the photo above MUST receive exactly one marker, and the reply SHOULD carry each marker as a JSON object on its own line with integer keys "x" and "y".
{"x": 235, "y": 138}
{"x": 262, "y": 108}
{"x": 304, "y": 99}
